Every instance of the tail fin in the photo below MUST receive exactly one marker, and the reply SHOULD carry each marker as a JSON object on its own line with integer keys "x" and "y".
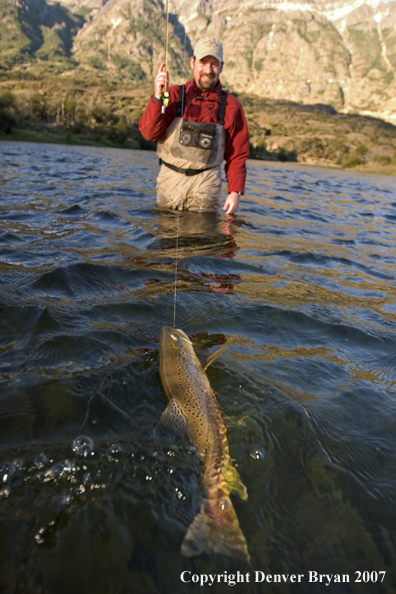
{"x": 216, "y": 529}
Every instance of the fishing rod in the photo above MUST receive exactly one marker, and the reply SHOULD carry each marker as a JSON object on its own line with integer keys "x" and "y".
{"x": 165, "y": 94}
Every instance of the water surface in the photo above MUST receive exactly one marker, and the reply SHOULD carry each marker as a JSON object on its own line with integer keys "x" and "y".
{"x": 301, "y": 284}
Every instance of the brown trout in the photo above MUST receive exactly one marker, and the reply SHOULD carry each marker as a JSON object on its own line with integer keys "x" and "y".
{"x": 194, "y": 411}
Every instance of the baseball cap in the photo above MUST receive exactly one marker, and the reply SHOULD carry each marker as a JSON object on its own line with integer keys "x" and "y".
{"x": 208, "y": 46}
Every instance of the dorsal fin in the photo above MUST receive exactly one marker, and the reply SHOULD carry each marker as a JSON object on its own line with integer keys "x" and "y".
{"x": 213, "y": 356}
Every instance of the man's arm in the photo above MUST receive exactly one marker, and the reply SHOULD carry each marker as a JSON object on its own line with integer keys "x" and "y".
{"x": 236, "y": 153}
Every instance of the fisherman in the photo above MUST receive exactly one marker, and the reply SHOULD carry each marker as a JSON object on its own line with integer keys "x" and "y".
{"x": 202, "y": 126}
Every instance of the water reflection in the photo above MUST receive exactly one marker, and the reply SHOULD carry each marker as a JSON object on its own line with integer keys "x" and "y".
{"x": 194, "y": 234}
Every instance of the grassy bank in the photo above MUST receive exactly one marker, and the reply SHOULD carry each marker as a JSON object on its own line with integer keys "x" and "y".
{"x": 71, "y": 110}
{"x": 64, "y": 138}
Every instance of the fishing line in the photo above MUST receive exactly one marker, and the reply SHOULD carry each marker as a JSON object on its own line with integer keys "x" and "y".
{"x": 177, "y": 220}
{"x": 177, "y": 246}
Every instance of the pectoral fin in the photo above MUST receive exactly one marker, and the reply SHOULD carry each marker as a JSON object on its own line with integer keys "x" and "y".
{"x": 213, "y": 356}
{"x": 173, "y": 418}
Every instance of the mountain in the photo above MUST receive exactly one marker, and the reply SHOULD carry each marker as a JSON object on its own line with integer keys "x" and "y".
{"x": 307, "y": 51}
{"x": 128, "y": 37}
{"x": 35, "y": 29}
{"x": 342, "y": 53}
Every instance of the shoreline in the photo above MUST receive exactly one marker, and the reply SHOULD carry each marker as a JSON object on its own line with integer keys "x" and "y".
{"x": 70, "y": 139}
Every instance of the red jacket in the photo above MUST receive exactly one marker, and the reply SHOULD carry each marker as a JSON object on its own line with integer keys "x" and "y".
{"x": 203, "y": 106}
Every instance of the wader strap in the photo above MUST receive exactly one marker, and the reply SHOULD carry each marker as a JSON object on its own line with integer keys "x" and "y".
{"x": 180, "y": 101}
{"x": 187, "y": 172}
{"x": 222, "y": 108}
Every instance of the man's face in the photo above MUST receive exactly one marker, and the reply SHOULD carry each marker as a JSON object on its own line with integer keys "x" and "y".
{"x": 206, "y": 72}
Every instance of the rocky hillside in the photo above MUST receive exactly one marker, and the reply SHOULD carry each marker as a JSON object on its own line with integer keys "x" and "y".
{"x": 308, "y": 51}
{"x": 35, "y": 29}
{"x": 338, "y": 53}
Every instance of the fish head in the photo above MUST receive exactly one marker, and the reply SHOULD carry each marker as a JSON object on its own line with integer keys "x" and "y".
{"x": 174, "y": 343}
{"x": 178, "y": 362}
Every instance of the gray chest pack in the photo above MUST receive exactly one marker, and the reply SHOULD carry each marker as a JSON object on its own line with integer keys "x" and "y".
{"x": 191, "y": 147}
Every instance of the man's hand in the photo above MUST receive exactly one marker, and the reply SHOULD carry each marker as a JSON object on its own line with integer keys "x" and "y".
{"x": 161, "y": 82}
{"x": 231, "y": 203}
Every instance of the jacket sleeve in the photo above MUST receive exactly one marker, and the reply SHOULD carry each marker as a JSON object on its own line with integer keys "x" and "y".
{"x": 236, "y": 151}
{"x": 153, "y": 123}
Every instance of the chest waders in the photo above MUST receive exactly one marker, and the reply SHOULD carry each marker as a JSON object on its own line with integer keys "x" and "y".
{"x": 191, "y": 147}
{"x": 191, "y": 154}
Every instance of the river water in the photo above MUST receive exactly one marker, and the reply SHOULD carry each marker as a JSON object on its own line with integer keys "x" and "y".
{"x": 301, "y": 284}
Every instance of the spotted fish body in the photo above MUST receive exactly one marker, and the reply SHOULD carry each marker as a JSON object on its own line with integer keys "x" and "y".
{"x": 193, "y": 410}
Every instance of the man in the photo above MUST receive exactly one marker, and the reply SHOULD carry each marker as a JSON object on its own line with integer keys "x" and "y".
{"x": 202, "y": 126}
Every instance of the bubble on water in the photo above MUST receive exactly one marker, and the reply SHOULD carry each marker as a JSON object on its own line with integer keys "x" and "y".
{"x": 257, "y": 453}
{"x": 39, "y": 537}
{"x": 180, "y": 494}
{"x": 83, "y": 446}
{"x": 7, "y": 470}
{"x": 50, "y": 475}
{"x": 40, "y": 461}
{"x": 18, "y": 464}
{"x": 98, "y": 486}
{"x": 59, "y": 471}
{"x": 68, "y": 467}
{"x": 5, "y": 491}
{"x": 114, "y": 452}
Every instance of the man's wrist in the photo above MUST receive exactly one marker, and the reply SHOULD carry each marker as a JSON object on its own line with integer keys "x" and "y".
{"x": 156, "y": 99}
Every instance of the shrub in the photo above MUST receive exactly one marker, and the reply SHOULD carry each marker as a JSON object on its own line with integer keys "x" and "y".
{"x": 7, "y": 121}
{"x": 382, "y": 159}
{"x": 353, "y": 161}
